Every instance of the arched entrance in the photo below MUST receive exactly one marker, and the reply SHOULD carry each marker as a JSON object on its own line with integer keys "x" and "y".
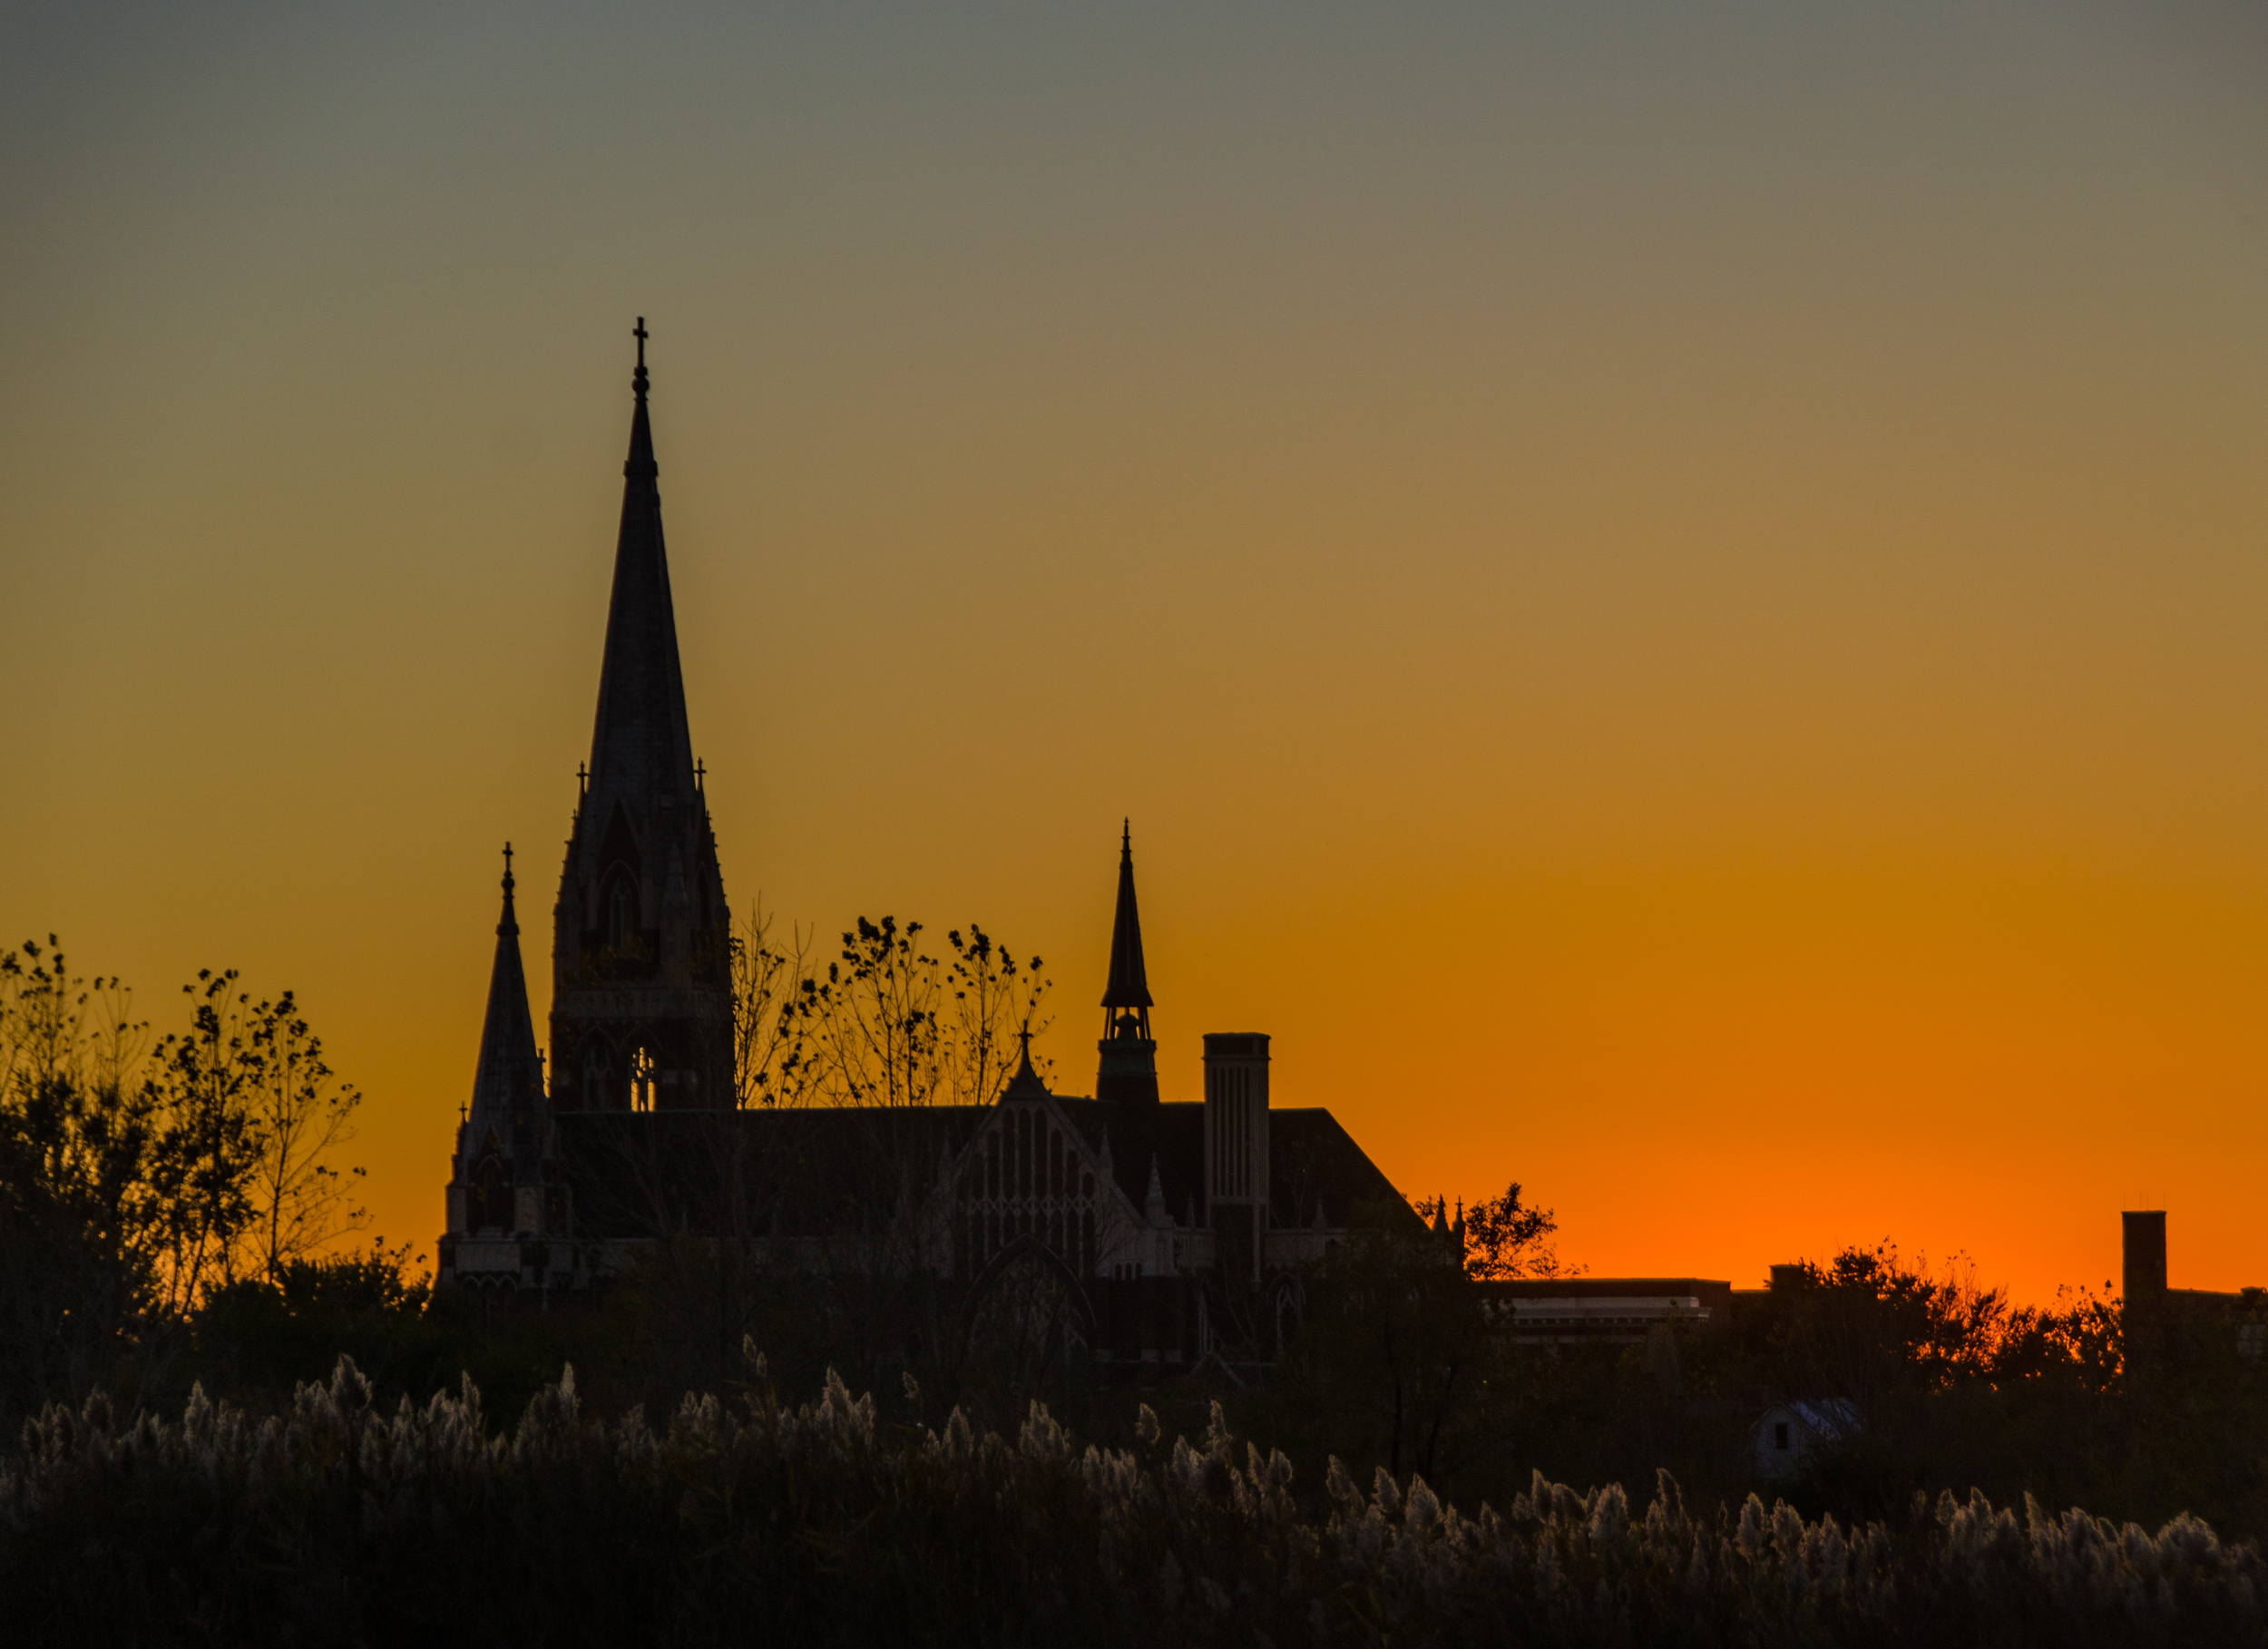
{"x": 1026, "y": 1325}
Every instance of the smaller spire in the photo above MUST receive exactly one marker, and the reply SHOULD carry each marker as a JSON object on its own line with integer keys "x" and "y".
{"x": 510, "y": 1074}
{"x": 1129, "y": 984}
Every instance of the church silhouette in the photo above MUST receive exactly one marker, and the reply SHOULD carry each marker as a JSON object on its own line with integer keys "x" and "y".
{"x": 1168, "y": 1231}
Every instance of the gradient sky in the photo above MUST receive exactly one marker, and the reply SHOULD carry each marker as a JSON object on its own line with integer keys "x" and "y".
{"x": 1676, "y": 592}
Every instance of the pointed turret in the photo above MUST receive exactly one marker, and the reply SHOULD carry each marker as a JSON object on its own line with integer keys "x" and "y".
{"x": 509, "y": 1076}
{"x": 641, "y": 1010}
{"x": 503, "y": 1142}
{"x": 1129, "y": 1071}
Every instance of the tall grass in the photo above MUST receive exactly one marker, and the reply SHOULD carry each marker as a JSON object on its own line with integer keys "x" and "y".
{"x": 750, "y": 1520}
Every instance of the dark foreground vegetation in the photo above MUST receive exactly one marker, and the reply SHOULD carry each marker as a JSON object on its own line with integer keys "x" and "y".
{"x": 746, "y": 1519}
{"x": 359, "y": 1459}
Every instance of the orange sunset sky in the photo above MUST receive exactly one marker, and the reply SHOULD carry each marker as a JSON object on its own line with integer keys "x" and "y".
{"x": 1676, "y": 593}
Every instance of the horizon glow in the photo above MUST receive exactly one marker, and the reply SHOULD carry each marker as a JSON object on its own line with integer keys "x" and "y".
{"x": 1674, "y": 594}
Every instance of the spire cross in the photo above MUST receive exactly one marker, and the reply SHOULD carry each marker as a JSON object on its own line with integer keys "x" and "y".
{"x": 507, "y": 864}
{"x": 582, "y": 778}
{"x": 700, "y": 775}
{"x": 641, "y": 334}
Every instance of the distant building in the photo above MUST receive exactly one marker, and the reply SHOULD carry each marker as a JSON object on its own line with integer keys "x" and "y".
{"x": 1608, "y": 1311}
{"x": 1173, "y": 1229}
{"x": 2170, "y": 1325}
{"x": 1787, "y": 1434}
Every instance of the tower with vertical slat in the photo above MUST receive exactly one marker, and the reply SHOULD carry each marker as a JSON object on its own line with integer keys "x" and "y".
{"x": 1236, "y": 1151}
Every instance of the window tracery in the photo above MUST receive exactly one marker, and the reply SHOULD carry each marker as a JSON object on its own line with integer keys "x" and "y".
{"x": 1026, "y": 1181}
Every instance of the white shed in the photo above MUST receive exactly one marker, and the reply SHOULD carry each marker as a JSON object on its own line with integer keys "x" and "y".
{"x": 1788, "y": 1433}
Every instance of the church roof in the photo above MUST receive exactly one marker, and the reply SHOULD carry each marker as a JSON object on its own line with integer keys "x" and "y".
{"x": 510, "y": 1074}
{"x": 1128, "y": 985}
{"x": 1313, "y": 1161}
{"x": 642, "y": 744}
{"x": 804, "y": 1172}
{"x": 779, "y": 1173}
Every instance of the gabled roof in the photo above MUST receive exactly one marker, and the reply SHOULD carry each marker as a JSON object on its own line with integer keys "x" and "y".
{"x": 1312, "y": 1159}
{"x": 1026, "y": 1084}
{"x": 801, "y": 1172}
{"x": 1832, "y": 1420}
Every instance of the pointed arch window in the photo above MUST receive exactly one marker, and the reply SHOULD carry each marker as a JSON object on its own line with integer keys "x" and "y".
{"x": 1286, "y": 1319}
{"x": 641, "y": 1081}
{"x": 491, "y": 1197}
{"x": 621, "y": 919}
{"x": 595, "y": 1061}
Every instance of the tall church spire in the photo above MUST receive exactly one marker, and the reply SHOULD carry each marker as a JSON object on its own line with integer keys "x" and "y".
{"x": 1129, "y": 1071}
{"x": 641, "y": 1010}
{"x": 641, "y": 742}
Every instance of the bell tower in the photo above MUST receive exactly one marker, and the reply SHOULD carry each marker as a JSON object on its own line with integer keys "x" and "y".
{"x": 1128, "y": 1074}
{"x": 641, "y": 1003}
